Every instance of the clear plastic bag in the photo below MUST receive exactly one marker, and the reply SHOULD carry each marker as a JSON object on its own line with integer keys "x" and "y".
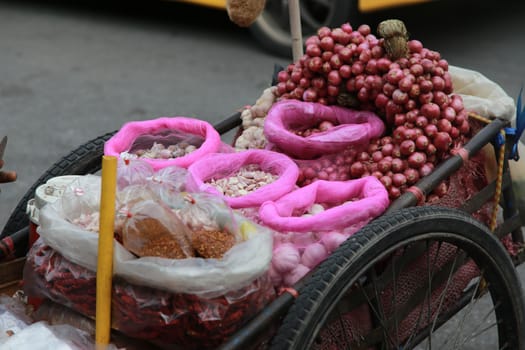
{"x": 152, "y": 229}
{"x": 177, "y": 320}
{"x": 351, "y": 128}
{"x": 222, "y": 166}
{"x": 81, "y": 201}
{"x": 132, "y": 171}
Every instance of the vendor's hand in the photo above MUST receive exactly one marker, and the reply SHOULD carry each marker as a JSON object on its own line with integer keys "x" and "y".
{"x": 6, "y": 176}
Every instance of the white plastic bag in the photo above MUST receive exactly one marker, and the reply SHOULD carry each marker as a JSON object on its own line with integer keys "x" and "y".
{"x": 482, "y": 95}
{"x": 241, "y": 265}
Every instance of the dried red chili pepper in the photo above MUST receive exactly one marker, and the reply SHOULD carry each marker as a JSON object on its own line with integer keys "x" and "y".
{"x": 164, "y": 318}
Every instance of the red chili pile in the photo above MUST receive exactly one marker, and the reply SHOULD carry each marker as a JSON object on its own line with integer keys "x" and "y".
{"x": 177, "y": 320}
{"x": 412, "y": 92}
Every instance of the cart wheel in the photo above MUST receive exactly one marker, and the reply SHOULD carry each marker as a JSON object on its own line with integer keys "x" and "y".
{"x": 419, "y": 278}
{"x": 272, "y": 27}
{"x": 86, "y": 159}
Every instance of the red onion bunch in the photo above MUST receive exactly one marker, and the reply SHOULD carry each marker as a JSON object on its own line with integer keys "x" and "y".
{"x": 413, "y": 94}
{"x": 332, "y": 57}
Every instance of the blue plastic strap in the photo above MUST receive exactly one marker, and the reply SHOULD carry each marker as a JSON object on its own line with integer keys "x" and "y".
{"x": 514, "y": 133}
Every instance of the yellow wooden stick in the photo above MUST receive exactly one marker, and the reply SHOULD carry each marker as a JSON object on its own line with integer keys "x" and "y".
{"x": 105, "y": 251}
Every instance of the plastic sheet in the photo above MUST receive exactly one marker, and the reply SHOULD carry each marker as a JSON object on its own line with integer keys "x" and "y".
{"x": 482, "y": 95}
{"x": 42, "y": 336}
{"x": 14, "y": 317}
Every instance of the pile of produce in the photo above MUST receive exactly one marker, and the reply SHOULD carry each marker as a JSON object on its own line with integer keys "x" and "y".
{"x": 247, "y": 179}
{"x": 400, "y": 80}
{"x": 188, "y": 271}
{"x": 206, "y": 235}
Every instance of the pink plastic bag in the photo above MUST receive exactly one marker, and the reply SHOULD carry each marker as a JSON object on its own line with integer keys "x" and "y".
{"x": 351, "y": 128}
{"x": 224, "y": 165}
{"x": 166, "y": 130}
{"x": 311, "y": 222}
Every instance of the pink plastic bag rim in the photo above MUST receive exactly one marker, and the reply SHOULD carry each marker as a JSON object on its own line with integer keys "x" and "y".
{"x": 375, "y": 198}
{"x": 287, "y": 179}
{"x": 124, "y": 138}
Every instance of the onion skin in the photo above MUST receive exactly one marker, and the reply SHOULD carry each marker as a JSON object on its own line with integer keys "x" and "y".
{"x": 285, "y": 258}
{"x": 332, "y": 240}
{"x": 416, "y": 160}
{"x": 295, "y": 275}
{"x": 442, "y": 141}
{"x": 412, "y": 176}
{"x": 313, "y": 255}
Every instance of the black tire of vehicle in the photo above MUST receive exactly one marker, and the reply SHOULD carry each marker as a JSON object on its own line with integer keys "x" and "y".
{"x": 276, "y": 38}
{"x": 86, "y": 159}
{"x": 326, "y": 286}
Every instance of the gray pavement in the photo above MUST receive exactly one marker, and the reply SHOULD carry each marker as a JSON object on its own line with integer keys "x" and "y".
{"x": 69, "y": 73}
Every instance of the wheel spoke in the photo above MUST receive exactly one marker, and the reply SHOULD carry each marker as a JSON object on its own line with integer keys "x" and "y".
{"x": 416, "y": 327}
{"x": 364, "y": 283}
{"x": 444, "y": 293}
{"x": 379, "y": 304}
{"x": 394, "y": 284}
{"x": 478, "y": 330}
{"x": 429, "y": 294}
{"x": 473, "y": 301}
{"x": 377, "y": 314}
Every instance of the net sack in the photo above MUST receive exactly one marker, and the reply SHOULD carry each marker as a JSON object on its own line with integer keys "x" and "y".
{"x": 244, "y": 179}
{"x": 313, "y": 221}
{"x": 165, "y": 141}
{"x": 286, "y": 119}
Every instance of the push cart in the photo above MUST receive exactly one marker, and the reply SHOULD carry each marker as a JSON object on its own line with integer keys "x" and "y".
{"x": 417, "y": 277}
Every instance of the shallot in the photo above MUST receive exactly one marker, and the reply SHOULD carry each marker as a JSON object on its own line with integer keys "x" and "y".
{"x": 413, "y": 93}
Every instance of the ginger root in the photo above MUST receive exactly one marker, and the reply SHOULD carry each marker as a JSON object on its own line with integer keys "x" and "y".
{"x": 244, "y": 12}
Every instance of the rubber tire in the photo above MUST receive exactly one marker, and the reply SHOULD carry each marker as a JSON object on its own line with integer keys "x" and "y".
{"x": 277, "y": 40}
{"x": 86, "y": 159}
{"x": 329, "y": 282}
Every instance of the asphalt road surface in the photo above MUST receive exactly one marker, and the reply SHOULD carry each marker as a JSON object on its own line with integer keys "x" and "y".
{"x": 69, "y": 73}
{"x": 72, "y": 72}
